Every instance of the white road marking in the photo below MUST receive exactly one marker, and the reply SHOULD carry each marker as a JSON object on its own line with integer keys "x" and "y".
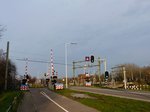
{"x": 44, "y": 94}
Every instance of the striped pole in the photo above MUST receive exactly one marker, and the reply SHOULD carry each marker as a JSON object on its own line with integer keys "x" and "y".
{"x": 26, "y": 67}
{"x": 48, "y": 72}
{"x": 52, "y": 63}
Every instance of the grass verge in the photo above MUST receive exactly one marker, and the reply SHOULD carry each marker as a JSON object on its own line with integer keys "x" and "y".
{"x": 7, "y": 99}
{"x": 108, "y": 103}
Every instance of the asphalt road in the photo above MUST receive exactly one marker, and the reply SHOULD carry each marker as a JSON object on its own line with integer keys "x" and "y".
{"x": 143, "y": 96}
{"x": 43, "y": 100}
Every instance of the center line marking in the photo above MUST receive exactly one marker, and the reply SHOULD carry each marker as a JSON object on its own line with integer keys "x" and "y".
{"x": 44, "y": 94}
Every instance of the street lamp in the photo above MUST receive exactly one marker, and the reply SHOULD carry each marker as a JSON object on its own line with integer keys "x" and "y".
{"x": 66, "y": 61}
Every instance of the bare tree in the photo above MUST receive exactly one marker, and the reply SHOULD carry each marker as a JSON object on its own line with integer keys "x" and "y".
{"x": 134, "y": 73}
{"x": 32, "y": 80}
{"x": 146, "y": 74}
{"x": 12, "y": 72}
{"x": 2, "y": 29}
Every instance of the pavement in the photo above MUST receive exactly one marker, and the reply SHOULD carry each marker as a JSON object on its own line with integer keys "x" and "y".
{"x": 44, "y": 100}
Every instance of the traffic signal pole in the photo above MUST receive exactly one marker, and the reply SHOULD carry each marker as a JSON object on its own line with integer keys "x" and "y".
{"x": 89, "y": 66}
{"x": 99, "y": 70}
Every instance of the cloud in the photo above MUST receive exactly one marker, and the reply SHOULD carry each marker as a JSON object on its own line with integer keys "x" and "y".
{"x": 117, "y": 30}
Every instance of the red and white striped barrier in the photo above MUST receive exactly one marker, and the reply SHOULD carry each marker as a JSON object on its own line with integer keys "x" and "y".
{"x": 24, "y": 88}
{"x": 88, "y": 84}
{"x": 59, "y": 87}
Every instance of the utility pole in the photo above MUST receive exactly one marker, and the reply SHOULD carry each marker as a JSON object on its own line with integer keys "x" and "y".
{"x": 73, "y": 73}
{"x": 125, "y": 79}
{"x": 112, "y": 76}
{"x": 99, "y": 70}
{"x": 124, "y": 75}
{"x": 7, "y": 59}
{"x": 66, "y": 68}
{"x": 105, "y": 65}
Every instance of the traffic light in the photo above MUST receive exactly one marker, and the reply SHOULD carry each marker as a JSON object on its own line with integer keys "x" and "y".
{"x": 106, "y": 74}
{"x": 54, "y": 81}
{"x": 92, "y": 59}
{"x": 87, "y": 79}
{"x": 47, "y": 81}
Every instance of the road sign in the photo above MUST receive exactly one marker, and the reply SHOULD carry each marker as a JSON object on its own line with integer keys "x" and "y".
{"x": 87, "y": 58}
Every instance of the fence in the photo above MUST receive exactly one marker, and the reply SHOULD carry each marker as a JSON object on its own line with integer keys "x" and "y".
{"x": 139, "y": 87}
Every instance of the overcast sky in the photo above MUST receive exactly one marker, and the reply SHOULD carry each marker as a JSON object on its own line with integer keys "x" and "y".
{"x": 118, "y": 30}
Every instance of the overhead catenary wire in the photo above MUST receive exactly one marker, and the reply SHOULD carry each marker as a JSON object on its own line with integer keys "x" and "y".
{"x": 31, "y": 54}
{"x": 40, "y": 61}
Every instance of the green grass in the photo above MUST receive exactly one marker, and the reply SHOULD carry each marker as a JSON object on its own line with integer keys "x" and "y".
{"x": 108, "y": 103}
{"x": 6, "y": 99}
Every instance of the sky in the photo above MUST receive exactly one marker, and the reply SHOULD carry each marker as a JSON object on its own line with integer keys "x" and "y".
{"x": 117, "y": 30}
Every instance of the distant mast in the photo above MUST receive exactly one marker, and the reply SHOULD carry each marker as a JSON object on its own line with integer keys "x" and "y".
{"x": 48, "y": 72}
{"x": 26, "y": 68}
{"x": 52, "y": 64}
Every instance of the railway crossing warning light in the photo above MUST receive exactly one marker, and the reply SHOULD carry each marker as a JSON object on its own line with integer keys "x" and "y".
{"x": 27, "y": 76}
{"x": 54, "y": 81}
{"x": 55, "y": 77}
{"x": 47, "y": 80}
{"x": 24, "y": 81}
{"x": 92, "y": 59}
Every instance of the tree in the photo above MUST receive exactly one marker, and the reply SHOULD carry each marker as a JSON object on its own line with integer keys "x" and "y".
{"x": 2, "y": 29}
{"x": 2, "y": 74}
{"x": 132, "y": 72}
{"x": 146, "y": 74}
{"x": 32, "y": 80}
{"x": 12, "y": 72}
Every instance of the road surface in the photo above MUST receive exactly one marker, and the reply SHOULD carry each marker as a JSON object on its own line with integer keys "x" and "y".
{"x": 43, "y": 100}
{"x": 143, "y": 96}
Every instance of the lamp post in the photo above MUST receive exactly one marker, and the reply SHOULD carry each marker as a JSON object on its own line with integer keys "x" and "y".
{"x": 66, "y": 62}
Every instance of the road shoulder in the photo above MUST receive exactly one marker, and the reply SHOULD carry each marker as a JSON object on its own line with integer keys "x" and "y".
{"x": 26, "y": 104}
{"x": 69, "y": 104}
